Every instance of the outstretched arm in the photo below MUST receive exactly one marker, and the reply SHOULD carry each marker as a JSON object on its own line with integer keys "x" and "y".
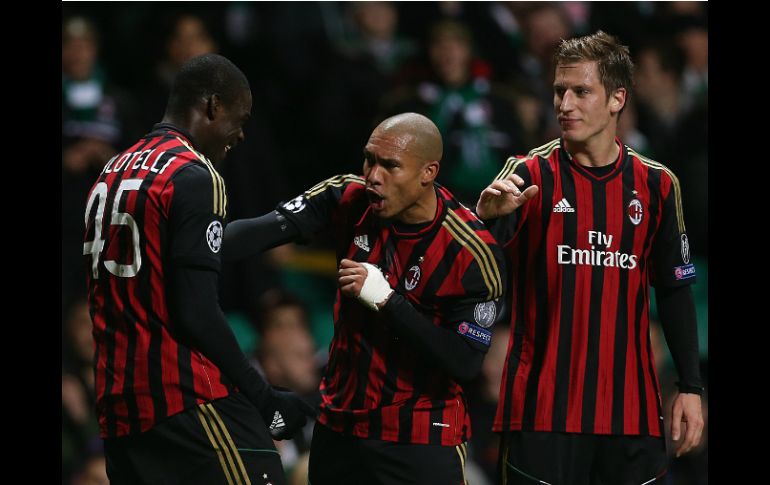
{"x": 248, "y": 237}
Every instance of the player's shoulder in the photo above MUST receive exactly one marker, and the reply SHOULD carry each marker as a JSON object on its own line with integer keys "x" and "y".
{"x": 352, "y": 186}
{"x": 518, "y": 163}
{"x": 193, "y": 181}
{"x": 546, "y": 151}
{"x": 195, "y": 176}
{"x": 180, "y": 163}
{"x": 186, "y": 154}
{"x": 474, "y": 238}
{"x": 654, "y": 165}
{"x": 461, "y": 216}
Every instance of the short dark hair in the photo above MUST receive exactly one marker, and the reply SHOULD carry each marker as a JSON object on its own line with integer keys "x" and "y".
{"x": 616, "y": 70}
{"x": 203, "y": 76}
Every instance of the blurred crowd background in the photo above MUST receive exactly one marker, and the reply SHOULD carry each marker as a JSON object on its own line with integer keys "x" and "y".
{"x": 323, "y": 75}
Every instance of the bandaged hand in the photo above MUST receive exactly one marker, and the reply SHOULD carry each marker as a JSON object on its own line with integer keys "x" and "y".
{"x": 365, "y": 282}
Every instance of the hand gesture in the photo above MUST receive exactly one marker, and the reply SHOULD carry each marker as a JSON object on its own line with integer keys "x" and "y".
{"x": 503, "y": 196}
{"x": 365, "y": 282}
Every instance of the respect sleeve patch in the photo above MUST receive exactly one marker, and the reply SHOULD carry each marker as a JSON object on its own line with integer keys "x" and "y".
{"x": 474, "y": 332}
{"x": 684, "y": 272}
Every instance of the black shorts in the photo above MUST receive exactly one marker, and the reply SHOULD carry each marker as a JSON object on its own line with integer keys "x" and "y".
{"x": 337, "y": 459}
{"x": 534, "y": 457}
{"x": 220, "y": 442}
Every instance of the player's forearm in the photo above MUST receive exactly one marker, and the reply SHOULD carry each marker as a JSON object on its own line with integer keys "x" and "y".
{"x": 195, "y": 313}
{"x": 248, "y": 237}
{"x": 677, "y": 317}
{"x": 442, "y": 346}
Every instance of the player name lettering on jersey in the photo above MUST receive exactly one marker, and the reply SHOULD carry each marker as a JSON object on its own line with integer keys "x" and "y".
{"x": 135, "y": 160}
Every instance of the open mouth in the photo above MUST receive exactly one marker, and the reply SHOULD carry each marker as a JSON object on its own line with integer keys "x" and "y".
{"x": 375, "y": 200}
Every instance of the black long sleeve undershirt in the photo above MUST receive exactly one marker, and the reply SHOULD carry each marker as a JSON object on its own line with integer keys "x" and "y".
{"x": 676, "y": 309}
{"x": 248, "y": 237}
{"x": 194, "y": 309}
{"x": 444, "y": 347}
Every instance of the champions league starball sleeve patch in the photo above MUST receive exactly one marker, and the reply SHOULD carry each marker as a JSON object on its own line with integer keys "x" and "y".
{"x": 214, "y": 236}
{"x": 296, "y": 204}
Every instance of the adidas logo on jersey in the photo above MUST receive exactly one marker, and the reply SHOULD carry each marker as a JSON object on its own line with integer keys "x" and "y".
{"x": 362, "y": 242}
{"x": 277, "y": 421}
{"x": 563, "y": 206}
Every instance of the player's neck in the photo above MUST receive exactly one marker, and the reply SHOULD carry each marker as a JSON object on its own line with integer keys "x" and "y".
{"x": 182, "y": 122}
{"x": 423, "y": 210}
{"x": 596, "y": 152}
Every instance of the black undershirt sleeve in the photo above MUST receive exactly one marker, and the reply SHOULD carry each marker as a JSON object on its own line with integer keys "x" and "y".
{"x": 444, "y": 347}
{"x": 676, "y": 309}
{"x": 248, "y": 237}
{"x": 195, "y": 311}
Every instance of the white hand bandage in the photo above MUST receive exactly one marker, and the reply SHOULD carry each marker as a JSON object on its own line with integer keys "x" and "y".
{"x": 376, "y": 288}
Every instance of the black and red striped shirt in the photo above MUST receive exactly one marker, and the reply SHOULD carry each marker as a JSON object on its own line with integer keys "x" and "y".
{"x": 376, "y": 386}
{"x": 583, "y": 254}
{"x": 156, "y": 204}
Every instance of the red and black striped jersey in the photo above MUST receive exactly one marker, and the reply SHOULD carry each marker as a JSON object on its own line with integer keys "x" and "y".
{"x": 376, "y": 386}
{"x": 583, "y": 254}
{"x": 159, "y": 203}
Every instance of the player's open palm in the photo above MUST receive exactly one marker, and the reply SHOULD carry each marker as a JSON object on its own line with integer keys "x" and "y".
{"x": 503, "y": 196}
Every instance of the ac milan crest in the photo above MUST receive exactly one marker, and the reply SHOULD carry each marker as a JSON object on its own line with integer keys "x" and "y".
{"x": 412, "y": 278}
{"x": 635, "y": 211}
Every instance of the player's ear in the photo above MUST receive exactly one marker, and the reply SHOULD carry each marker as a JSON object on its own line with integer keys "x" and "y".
{"x": 429, "y": 173}
{"x": 618, "y": 100}
{"x": 213, "y": 104}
